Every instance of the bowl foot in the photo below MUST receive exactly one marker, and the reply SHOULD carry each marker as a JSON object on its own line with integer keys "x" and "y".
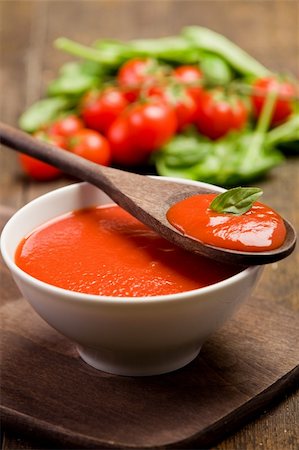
{"x": 137, "y": 363}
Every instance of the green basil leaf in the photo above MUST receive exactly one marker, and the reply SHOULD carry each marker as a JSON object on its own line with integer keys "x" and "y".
{"x": 217, "y": 72}
{"x": 210, "y": 41}
{"x": 285, "y": 133}
{"x": 71, "y": 68}
{"x": 72, "y": 85}
{"x": 87, "y": 67}
{"x": 236, "y": 201}
{"x": 226, "y": 162}
{"x": 42, "y": 112}
{"x": 171, "y": 48}
{"x": 106, "y": 52}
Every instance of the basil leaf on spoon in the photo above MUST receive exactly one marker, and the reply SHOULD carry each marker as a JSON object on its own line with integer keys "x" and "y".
{"x": 236, "y": 201}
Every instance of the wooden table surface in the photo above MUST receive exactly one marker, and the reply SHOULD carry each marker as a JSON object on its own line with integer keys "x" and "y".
{"x": 269, "y": 30}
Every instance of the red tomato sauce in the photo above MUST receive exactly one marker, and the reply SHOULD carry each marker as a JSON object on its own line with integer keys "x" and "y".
{"x": 257, "y": 230}
{"x": 106, "y": 251}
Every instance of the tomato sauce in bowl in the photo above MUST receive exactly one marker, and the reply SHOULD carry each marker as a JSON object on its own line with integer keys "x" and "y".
{"x": 105, "y": 251}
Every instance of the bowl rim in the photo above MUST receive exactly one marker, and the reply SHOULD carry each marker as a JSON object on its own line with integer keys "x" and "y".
{"x": 76, "y": 296}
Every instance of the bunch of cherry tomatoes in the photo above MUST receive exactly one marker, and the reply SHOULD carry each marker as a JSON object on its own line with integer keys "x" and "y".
{"x": 125, "y": 123}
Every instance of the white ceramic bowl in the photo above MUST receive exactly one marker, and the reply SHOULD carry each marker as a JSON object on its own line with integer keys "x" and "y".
{"x": 125, "y": 336}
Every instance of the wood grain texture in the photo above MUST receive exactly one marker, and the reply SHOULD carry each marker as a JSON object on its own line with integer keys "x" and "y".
{"x": 268, "y": 29}
{"x": 48, "y": 390}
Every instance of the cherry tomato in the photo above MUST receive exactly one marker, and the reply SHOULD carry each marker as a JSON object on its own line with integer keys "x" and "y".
{"x": 91, "y": 145}
{"x": 142, "y": 129}
{"x": 180, "y": 99}
{"x": 66, "y": 126}
{"x": 100, "y": 109}
{"x": 152, "y": 124}
{"x": 193, "y": 76}
{"x": 123, "y": 149}
{"x": 283, "y": 106}
{"x": 217, "y": 115}
{"x": 135, "y": 73}
{"x": 188, "y": 74}
{"x": 39, "y": 170}
{"x": 185, "y": 110}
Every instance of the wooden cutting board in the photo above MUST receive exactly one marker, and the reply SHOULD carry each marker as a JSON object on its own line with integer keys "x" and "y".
{"x": 49, "y": 393}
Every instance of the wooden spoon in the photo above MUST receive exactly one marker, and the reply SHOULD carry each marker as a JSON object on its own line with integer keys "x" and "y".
{"x": 146, "y": 198}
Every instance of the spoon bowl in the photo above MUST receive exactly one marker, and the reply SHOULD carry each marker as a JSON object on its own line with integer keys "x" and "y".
{"x": 148, "y": 199}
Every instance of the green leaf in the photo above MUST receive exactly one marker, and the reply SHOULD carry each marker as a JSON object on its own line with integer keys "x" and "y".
{"x": 236, "y": 201}
{"x": 216, "y": 70}
{"x": 76, "y": 84}
{"x": 184, "y": 151}
{"x": 87, "y": 67}
{"x": 94, "y": 69}
{"x": 71, "y": 68}
{"x": 209, "y": 40}
{"x": 287, "y": 132}
{"x": 43, "y": 112}
{"x": 110, "y": 55}
{"x": 172, "y": 48}
{"x": 225, "y": 162}
{"x": 113, "y": 53}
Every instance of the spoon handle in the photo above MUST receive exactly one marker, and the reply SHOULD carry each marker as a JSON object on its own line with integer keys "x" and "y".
{"x": 106, "y": 178}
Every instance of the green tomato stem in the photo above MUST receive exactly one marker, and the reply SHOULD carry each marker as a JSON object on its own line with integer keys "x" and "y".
{"x": 259, "y": 135}
{"x": 287, "y": 132}
{"x": 267, "y": 113}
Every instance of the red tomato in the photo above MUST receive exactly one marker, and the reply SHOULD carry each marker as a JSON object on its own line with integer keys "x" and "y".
{"x": 180, "y": 99}
{"x": 152, "y": 124}
{"x": 133, "y": 74}
{"x": 188, "y": 74}
{"x": 193, "y": 76}
{"x": 123, "y": 149}
{"x": 185, "y": 111}
{"x": 91, "y": 145}
{"x": 66, "y": 126}
{"x": 100, "y": 109}
{"x": 240, "y": 114}
{"x": 37, "y": 169}
{"x": 142, "y": 129}
{"x": 283, "y": 107}
{"x": 218, "y": 115}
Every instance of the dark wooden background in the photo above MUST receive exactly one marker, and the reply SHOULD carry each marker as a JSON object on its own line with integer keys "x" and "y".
{"x": 268, "y": 29}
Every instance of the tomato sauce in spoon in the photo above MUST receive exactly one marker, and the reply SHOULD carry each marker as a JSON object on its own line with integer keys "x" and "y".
{"x": 259, "y": 229}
